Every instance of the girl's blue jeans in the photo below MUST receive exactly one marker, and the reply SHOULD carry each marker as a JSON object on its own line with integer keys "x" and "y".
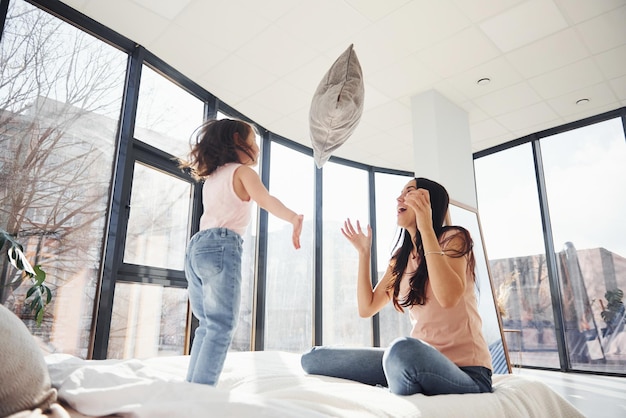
{"x": 407, "y": 366}
{"x": 213, "y": 272}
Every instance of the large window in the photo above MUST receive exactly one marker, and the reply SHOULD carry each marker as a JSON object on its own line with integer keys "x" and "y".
{"x": 585, "y": 174}
{"x": 150, "y": 319}
{"x": 345, "y": 196}
{"x": 509, "y": 210}
{"x": 289, "y": 287}
{"x": 149, "y": 309}
{"x": 60, "y": 100}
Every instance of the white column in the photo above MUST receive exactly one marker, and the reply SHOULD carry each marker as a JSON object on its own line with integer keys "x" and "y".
{"x": 442, "y": 145}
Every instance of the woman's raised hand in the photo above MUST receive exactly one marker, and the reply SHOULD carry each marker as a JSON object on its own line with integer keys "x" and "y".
{"x": 419, "y": 201}
{"x": 361, "y": 241}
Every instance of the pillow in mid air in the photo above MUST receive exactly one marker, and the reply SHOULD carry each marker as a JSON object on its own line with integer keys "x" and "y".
{"x": 337, "y": 106}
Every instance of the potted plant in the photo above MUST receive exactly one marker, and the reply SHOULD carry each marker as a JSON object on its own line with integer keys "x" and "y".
{"x": 38, "y": 293}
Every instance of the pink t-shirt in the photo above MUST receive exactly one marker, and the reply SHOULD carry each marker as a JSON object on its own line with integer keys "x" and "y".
{"x": 222, "y": 207}
{"x": 457, "y": 331}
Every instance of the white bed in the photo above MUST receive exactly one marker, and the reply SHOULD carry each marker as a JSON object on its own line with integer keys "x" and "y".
{"x": 272, "y": 384}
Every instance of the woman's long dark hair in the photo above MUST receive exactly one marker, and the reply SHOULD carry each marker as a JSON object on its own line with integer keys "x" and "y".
{"x": 439, "y": 201}
{"x": 216, "y": 144}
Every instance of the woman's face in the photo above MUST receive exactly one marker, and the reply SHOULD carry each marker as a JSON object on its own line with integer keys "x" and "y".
{"x": 406, "y": 217}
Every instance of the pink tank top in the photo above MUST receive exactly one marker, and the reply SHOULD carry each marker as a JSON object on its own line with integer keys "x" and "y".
{"x": 456, "y": 332}
{"x": 222, "y": 207}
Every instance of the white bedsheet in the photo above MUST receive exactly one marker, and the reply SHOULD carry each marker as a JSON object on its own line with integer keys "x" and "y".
{"x": 272, "y": 384}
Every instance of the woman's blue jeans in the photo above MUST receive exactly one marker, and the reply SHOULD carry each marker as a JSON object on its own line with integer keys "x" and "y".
{"x": 407, "y": 366}
{"x": 213, "y": 272}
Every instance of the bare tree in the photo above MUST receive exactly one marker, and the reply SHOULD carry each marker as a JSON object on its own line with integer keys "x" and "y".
{"x": 60, "y": 98}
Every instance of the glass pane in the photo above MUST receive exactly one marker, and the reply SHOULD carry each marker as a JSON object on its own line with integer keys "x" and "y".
{"x": 158, "y": 224}
{"x": 167, "y": 115}
{"x": 289, "y": 298}
{"x": 60, "y": 100}
{"x": 345, "y": 196}
{"x": 511, "y": 222}
{"x": 585, "y": 173}
{"x": 147, "y": 321}
{"x": 393, "y": 324}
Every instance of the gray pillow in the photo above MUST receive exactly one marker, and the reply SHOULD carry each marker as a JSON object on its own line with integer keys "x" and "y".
{"x": 25, "y": 382}
{"x": 337, "y": 106}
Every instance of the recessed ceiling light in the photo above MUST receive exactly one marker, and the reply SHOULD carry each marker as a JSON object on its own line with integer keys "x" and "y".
{"x": 483, "y": 81}
{"x": 582, "y": 101}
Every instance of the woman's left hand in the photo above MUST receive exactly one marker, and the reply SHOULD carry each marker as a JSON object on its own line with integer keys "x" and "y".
{"x": 361, "y": 241}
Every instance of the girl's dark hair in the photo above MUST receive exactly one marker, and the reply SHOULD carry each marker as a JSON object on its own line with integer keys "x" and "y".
{"x": 439, "y": 201}
{"x": 216, "y": 144}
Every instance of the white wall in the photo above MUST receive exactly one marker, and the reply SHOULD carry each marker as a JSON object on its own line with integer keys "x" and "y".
{"x": 442, "y": 145}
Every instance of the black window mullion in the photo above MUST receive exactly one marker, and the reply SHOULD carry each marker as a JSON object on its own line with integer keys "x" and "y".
{"x": 139, "y": 273}
{"x": 210, "y": 107}
{"x": 551, "y": 261}
{"x": 318, "y": 260}
{"x": 258, "y": 337}
{"x": 119, "y": 209}
{"x": 4, "y": 9}
{"x": 374, "y": 253}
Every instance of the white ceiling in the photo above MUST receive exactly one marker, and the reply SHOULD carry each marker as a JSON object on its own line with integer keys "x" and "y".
{"x": 266, "y": 57}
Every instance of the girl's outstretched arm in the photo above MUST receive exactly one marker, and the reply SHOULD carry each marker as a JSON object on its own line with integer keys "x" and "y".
{"x": 255, "y": 190}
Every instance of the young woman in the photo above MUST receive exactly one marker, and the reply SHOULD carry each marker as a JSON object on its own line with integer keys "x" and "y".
{"x": 222, "y": 156}
{"x": 431, "y": 273}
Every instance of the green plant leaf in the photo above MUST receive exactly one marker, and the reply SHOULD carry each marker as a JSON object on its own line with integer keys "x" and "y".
{"x": 39, "y": 317}
{"x": 39, "y": 280}
{"x": 39, "y": 273}
{"x": 33, "y": 304}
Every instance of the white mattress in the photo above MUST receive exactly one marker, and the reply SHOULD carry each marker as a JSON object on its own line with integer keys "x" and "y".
{"x": 272, "y": 384}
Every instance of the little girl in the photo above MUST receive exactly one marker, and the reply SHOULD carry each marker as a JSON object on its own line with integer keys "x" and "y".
{"x": 222, "y": 156}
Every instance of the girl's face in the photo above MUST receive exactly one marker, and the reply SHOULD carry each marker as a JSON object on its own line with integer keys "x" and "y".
{"x": 406, "y": 217}
{"x": 252, "y": 147}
